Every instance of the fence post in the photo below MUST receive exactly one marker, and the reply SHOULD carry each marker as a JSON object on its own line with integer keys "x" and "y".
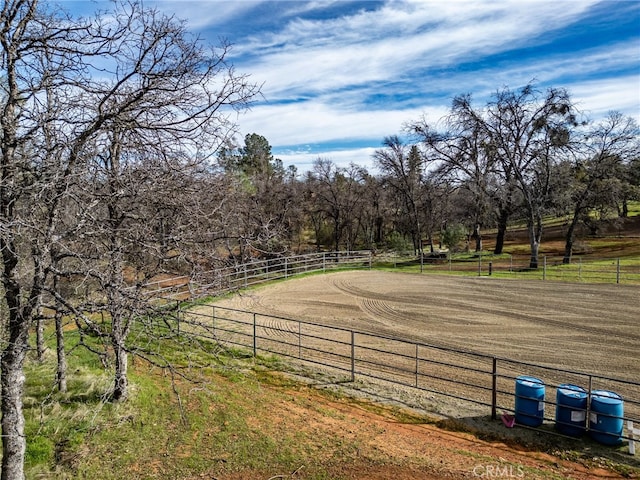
{"x": 370, "y": 259}
{"x": 417, "y": 365}
{"x": 633, "y": 436}
{"x": 353, "y": 356}
{"x": 618, "y": 270}
{"x": 299, "y": 340}
{"x": 255, "y": 338}
{"x": 544, "y": 267}
{"x": 324, "y": 262}
{"x": 580, "y": 269}
{"x": 588, "y": 412}
{"x": 285, "y": 268}
{"x": 494, "y": 389}
{"x": 213, "y": 318}
{"x": 479, "y": 264}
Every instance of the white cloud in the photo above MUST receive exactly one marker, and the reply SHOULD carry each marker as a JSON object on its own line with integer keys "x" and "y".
{"x": 204, "y": 13}
{"x": 361, "y": 76}
{"x": 599, "y": 97}
{"x": 314, "y": 122}
{"x": 362, "y": 157}
{"x": 389, "y": 43}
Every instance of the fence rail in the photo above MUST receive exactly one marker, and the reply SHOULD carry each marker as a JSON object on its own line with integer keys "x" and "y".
{"x": 235, "y": 277}
{"x": 231, "y": 278}
{"x": 485, "y": 381}
{"x": 550, "y": 267}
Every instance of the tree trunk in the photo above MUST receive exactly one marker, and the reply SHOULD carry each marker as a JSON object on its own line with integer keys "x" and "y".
{"x": 535, "y": 248}
{"x": 378, "y": 235}
{"x": 568, "y": 243}
{"x": 478, "y": 237}
{"x": 61, "y": 372}
{"x": 14, "y": 443}
{"x": 40, "y": 337}
{"x": 503, "y": 219}
{"x": 535, "y": 236}
{"x": 120, "y": 386}
{"x": 625, "y": 208}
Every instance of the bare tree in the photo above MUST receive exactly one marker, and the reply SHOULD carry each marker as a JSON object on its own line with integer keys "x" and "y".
{"x": 402, "y": 168}
{"x": 167, "y": 104}
{"x": 464, "y": 160}
{"x": 599, "y": 156}
{"x": 529, "y": 130}
{"x": 335, "y": 195}
{"x": 123, "y": 83}
{"x": 37, "y": 56}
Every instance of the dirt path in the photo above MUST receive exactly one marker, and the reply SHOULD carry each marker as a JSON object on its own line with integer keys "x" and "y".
{"x": 391, "y": 450}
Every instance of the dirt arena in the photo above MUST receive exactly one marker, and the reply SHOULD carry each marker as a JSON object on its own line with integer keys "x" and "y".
{"x": 585, "y": 327}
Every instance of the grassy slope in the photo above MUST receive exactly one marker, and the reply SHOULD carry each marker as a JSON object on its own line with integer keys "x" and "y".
{"x": 229, "y": 418}
{"x": 80, "y": 435}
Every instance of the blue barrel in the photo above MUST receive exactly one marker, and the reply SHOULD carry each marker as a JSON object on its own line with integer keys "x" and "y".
{"x": 606, "y": 417}
{"x": 571, "y": 409}
{"x": 529, "y": 405}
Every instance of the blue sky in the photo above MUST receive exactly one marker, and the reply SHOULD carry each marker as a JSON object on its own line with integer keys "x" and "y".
{"x": 339, "y": 76}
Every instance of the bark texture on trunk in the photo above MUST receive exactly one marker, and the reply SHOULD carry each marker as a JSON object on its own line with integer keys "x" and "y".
{"x": 568, "y": 244}
{"x": 535, "y": 237}
{"x": 61, "y": 372}
{"x": 14, "y": 443}
{"x": 120, "y": 385}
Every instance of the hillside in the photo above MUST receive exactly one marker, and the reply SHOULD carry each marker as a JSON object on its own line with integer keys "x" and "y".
{"x": 241, "y": 421}
{"x": 613, "y": 238}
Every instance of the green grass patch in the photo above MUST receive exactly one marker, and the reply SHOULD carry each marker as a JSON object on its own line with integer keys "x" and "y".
{"x": 206, "y": 415}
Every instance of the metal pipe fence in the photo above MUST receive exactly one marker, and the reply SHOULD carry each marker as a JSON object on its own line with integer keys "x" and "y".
{"x": 235, "y": 277}
{"x": 484, "y": 381}
{"x": 550, "y": 267}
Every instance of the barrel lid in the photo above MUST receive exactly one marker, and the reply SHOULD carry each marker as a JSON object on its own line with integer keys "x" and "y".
{"x": 569, "y": 390}
{"x": 529, "y": 381}
{"x": 605, "y": 396}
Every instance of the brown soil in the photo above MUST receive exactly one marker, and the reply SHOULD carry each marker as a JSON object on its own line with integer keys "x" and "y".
{"x": 589, "y": 328}
{"x": 389, "y": 449}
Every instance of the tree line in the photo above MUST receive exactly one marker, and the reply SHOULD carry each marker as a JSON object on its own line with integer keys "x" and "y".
{"x": 523, "y": 156}
{"x": 119, "y": 166}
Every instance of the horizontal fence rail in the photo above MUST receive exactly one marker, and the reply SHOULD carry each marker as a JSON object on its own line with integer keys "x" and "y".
{"x": 488, "y": 382}
{"x": 550, "y": 267}
{"x": 236, "y": 277}
{"x": 245, "y": 275}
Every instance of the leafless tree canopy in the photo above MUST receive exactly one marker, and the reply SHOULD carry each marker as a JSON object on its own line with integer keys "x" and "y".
{"x": 102, "y": 120}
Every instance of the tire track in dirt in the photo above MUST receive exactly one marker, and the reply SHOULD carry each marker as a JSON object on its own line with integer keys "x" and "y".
{"x": 267, "y": 318}
{"x": 471, "y": 306}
